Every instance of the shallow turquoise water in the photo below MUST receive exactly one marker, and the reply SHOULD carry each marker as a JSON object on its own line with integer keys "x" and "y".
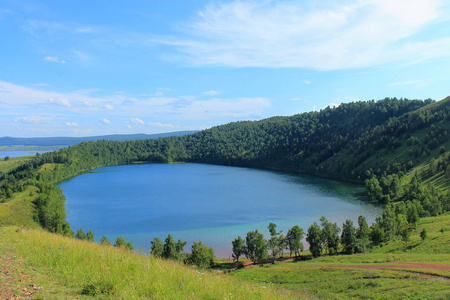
{"x": 211, "y": 203}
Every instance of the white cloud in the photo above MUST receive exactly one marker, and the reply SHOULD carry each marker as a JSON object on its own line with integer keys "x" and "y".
{"x": 212, "y": 93}
{"x": 60, "y": 101}
{"x": 306, "y": 82}
{"x": 162, "y": 125}
{"x": 106, "y": 121}
{"x": 54, "y": 59}
{"x": 21, "y": 100}
{"x": 71, "y": 124}
{"x": 296, "y": 99}
{"x": 41, "y": 84}
{"x": 108, "y": 107}
{"x": 31, "y": 119}
{"x": 137, "y": 121}
{"x": 324, "y": 35}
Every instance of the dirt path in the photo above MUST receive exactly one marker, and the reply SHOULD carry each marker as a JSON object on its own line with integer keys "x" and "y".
{"x": 417, "y": 268}
{"x": 13, "y": 283}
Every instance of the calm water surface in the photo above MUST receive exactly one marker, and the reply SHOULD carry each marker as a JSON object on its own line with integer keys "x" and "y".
{"x": 3, "y": 154}
{"x": 211, "y": 203}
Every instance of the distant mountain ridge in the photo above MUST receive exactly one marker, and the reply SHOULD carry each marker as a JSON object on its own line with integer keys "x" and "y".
{"x": 69, "y": 141}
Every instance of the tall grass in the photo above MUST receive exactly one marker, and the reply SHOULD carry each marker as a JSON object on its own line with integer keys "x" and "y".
{"x": 91, "y": 269}
{"x": 19, "y": 209}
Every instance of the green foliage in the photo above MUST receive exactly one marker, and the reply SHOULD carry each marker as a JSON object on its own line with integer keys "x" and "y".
{"x": 348, "y": 237}
{"x": 90, "y": 236}
{"x": 330, "y": 235}
{"x": 201, "y": 255}
{"x": 50, "y": 211}
{"x": 172, "y": 250}
{"x": 238, "y": 248}
{"x": 362, "y": 236}
{"x": 104, "y": 241}
{"x": 121, "y": 243}
{"x": 255, "y": 246}
{"x": 381, "y": 143}
{"x": 81, "y": 235}
{"x": 157, "y": 247}
{"x": 294, "y": 240}
{"x": 276, "y": 245}
{"x": 273, "y": 229}
{"x": 314, "y": 238}
{"x": 276, "y": 242}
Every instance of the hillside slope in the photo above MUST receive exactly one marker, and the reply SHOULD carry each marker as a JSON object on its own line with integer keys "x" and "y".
{"x": 419, "y": 271}
{"x": 41, "y": 265}
{"x": 399, "y": 147}
{"x": 386, "y": 141}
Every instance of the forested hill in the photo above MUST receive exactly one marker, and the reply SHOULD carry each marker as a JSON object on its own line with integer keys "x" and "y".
{"x": 350, "y": 142}
{"x": 68, "y": 141}
{"x": 385, "y": 141}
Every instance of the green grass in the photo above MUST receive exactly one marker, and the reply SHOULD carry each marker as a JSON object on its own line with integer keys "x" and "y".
{"x": 19, "y": 209}
{"x": 67, "y": 268}
{"x": 13, "y": 162}
{"x": 362, "y": 276}
{"x": 348, "y": 283}
{"x": 47, "y": 168}
{"x": 436, "y": 242}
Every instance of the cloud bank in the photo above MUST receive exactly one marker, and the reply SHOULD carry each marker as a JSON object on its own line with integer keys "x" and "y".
{"x": 320, "y": 35}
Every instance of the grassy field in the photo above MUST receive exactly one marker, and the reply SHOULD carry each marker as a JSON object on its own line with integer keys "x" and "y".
{"x": 389, "y": 272}
{"x": 19, "y": 209}
{"x": 13, "y": 162}
{"x": 50, "y": 266}
{"x": 42, "y": 265}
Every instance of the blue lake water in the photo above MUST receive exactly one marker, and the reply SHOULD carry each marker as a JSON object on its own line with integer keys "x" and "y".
{"x": 211, "y": 203}
{"x": 3, "y": 154}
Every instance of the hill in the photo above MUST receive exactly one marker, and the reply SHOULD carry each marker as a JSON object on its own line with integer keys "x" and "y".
{"x": 57, "y": 267}
{"x": 68, "y": 141}
{"x": 386, "y": 141}
{"x": 398, "y": 148}
{"x": 419, "y": 271}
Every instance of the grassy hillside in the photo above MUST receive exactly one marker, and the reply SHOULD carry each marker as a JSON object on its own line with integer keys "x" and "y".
{"x": 19, "y": 210}
{"x": 401, "y": 146}
{"x": 419, "y": 271}
{"x": 48, "y": 266}
{"x": 12, "y": 163}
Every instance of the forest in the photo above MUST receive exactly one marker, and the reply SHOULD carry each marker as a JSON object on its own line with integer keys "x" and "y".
{"x": 398, "y": 148}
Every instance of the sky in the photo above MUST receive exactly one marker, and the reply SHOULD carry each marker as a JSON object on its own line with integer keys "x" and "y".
{"x": 83, "y": 68}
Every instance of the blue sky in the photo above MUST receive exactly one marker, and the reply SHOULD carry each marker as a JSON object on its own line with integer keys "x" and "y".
{"x": 79, "y": 68}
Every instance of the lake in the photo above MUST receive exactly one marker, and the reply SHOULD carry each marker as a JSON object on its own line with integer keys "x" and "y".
{"x": 3, "y": 154}
{"x": 211, "y": 203}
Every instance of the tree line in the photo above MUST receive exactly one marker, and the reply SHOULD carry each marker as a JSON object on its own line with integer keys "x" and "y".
{"x": 352, "y": 142}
